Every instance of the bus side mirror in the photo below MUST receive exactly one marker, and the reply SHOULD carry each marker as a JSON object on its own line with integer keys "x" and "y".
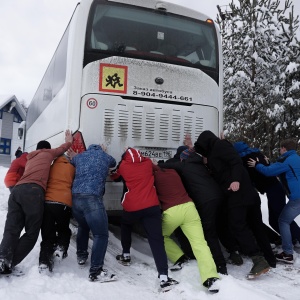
{"x": 20, "y": 133}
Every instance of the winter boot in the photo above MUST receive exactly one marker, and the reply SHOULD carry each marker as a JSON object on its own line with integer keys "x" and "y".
{"x": 235, "y": 258}
{"x": 4, "y": 268}
{"x": 183, "y": 260}
{"x": 46, "y": 266}
{"x": 222, "y": 269}
{"x": 124, "y": 260}
{"x": 93, "y": 276}
{"x": 166, "y": 283}
{"x": 81, "y": 260}
{"x": 60, "y": 253}
{"x": 286, "y": 258}
{"x": 212, "y": 285}
{"x": 260, "y": 266}
{"x": 2, "y": 265}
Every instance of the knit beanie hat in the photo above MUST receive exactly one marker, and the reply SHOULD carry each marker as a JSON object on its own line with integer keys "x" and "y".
{"x": 18, "y": 153}
{"x": 43, "y": 145}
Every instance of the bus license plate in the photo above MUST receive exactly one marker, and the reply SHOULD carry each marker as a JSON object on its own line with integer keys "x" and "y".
{"x": 158, "y": 154}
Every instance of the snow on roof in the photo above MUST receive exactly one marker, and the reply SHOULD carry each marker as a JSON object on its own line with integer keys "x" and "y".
{"x": 4, "y": 99}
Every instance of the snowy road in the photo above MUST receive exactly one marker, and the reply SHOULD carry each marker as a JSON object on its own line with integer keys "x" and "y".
{"x": 139, "y": 281}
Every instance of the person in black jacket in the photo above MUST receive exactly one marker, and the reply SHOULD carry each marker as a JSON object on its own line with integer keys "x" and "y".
{"x": 270, "y": 186}
{"x": 207, "y": 196}
{"x": 243, "y": 202}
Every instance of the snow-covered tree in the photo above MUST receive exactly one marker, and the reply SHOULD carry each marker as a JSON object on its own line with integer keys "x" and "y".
{"x": 261, "y": 73}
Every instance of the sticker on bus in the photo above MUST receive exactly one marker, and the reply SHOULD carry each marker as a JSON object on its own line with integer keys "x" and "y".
{"x": 113, "y": 78}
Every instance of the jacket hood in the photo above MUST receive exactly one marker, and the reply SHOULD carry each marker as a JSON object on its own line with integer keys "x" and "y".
{"x": 179, "y": 150}
{"x": 24, "y": 155}
{"x": 205, "y": 142}
{"x": 95, "y": 147}
{"x": 132, "y": 155}
{"x": 62, "y": 159}
{"x": 243, "y": 149}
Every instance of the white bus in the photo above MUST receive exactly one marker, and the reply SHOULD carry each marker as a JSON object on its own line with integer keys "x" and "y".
{"x": 130, "y": 73}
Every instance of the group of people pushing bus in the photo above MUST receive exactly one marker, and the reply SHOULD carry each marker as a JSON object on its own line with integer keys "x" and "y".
{"x": 206, "y": 194}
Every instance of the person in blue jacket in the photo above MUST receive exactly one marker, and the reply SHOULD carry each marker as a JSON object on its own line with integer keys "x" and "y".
{"x": 91, "y": 169}
{"x": 287, "y": 168}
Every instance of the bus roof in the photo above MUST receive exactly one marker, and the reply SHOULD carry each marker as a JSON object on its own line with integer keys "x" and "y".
{"x": 166, "y": 6}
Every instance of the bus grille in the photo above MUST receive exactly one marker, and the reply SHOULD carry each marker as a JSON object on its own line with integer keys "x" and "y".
{"x": 151, "y": 125}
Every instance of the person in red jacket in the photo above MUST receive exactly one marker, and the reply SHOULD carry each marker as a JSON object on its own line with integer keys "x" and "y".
{"x": 140, "y": 203}
{"x": 55, "y": 229}
{"x": 15, "y": 171}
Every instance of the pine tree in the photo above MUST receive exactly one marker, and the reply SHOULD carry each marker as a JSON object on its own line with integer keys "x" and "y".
{"x": 261, "y": 86}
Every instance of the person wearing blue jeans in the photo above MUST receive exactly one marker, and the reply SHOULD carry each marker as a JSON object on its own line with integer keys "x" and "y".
{"x": 288, "y": 214}
{"x": 91, "y": 169}
{"x": 287, "y": 168}
{"x": 90, "y": 213}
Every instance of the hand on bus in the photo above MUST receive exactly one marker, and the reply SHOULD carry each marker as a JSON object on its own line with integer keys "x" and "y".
{"x": 188, "y": 140}
{"x": 71, "y": 153}
{"x": 234, "y": 186}
{"x": 68, "y": 136}
{"x": 154, "y": 161}
{"x": 104, "y": 148}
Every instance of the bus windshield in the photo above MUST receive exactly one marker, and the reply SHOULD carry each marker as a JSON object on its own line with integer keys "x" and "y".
{"x": 136, "y": 32}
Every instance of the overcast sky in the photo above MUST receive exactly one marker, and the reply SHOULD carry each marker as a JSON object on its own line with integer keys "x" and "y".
{"x": 31, "y": 29}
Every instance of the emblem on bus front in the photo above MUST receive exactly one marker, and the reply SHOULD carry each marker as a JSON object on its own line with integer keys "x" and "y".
{"x": 159, "y": 80}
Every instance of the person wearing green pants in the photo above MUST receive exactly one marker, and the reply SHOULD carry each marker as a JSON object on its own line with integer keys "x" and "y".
{"x": 179, "y": 210}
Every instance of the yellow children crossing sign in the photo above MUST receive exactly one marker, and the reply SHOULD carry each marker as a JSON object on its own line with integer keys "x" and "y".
{"x": 113, "y": 78}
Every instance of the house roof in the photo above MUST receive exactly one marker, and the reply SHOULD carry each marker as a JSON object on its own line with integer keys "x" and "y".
{"x": 5, "y": 99}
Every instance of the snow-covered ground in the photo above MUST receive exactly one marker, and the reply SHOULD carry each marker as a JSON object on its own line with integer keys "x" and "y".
{"x": 139, "y": 281}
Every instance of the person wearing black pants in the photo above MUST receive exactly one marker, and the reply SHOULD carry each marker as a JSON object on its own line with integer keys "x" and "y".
{"x": 55, "y": 229}
{"x": 140, "y": 203}
{"x": 242, "y": 199}
{"x": 55, "y": 233}
{"x": 30, "y": 198}
{"x": 150, "y": 218}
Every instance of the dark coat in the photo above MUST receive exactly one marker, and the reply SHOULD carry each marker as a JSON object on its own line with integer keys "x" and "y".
{"x": 261, "y": 182}
{"x": 226, "y": 167}
{"x": 199, "y": 184}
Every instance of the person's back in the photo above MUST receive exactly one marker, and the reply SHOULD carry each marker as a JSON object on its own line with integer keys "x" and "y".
{"x": 38, "y": 165}
{"x": 170, "y": 189}
{"x": 60, "y": 181}
{"x": 92, "y": 167}
{"x": 261, "y": 182}
{"x": 197, "y": 180}
{"x": 137, "y": 173}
